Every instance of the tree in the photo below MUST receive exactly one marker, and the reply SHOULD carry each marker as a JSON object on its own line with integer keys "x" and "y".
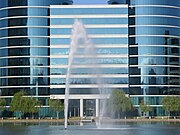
{"x": 56, "y": 105}
{"x": 17, "y": 103}
{"x": 145, "y": 108}
{"x": 170, "y": 104}
{"x": 30, "y": 105}
{"x": 118, "y": 102}
{"x": 23, "y": 104}
{"x": 35, "y": 104}
{"x": 2, "y": 104}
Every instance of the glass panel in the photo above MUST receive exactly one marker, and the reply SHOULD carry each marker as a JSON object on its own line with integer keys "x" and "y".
{"x": 62, "y": 71}
{"x": 27, "y": 81}
{"x": 24, "y": 71}
{"x": 156, "y": 2}
{"x": 155, "y": 20}
{"x": 66, "y": 41}
{"x": 30, "y": 41}
{"x": 25, "y": 32}
{"x": 157, "y": 11}
{"x": 56, "y": 61}
{"x": 24, "y": 61}
{"x": 69, "y": 21}
{"x": 158, "y": 80}
{"x": 153, "y": 40}
{"x": 68, "y": 31}
{"x": 30, "y": 2}
{"x": 58, "y": 51}
{"x": 61, "y": 81}
{"x": 74, "y": 107}
{"x": 80, "y": 11}
{"x": 89, "y": 107}
{"x": 156, "y": 70}
{"x": 24, "y": 21}
{"x": 25, "y": 12}
{"x": 24, "y": 51}
{"x": 61, "y": 61}
{"x": 156, "y": 31}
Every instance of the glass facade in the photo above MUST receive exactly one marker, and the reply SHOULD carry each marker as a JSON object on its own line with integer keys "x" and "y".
{"x": 24, "y": 47}
{"x": 112, "y": 42}
{"x": 154, "y": 51}
{"x": 137, "y": 44}
{"x": 154, "y": 47}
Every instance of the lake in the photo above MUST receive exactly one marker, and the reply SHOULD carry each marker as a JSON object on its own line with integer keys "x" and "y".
{"x": 123, "y": 128}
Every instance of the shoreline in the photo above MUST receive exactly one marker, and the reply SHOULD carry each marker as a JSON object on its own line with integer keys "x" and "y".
{"x": 78, "y": 120}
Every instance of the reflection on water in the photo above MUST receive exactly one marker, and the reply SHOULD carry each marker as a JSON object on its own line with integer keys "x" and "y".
{"x": 140, "y": 128}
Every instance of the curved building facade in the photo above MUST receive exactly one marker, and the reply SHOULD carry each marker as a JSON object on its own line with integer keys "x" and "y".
{"x": 154, "y": 50}
{"x": 118, "y": 2}
{"x": 24, "y": 46}
{"x": 144, "y": 35}
{"x": 154, "y": 28}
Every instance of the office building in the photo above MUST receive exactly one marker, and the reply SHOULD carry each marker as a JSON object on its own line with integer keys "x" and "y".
{"x": 137, "y": 44}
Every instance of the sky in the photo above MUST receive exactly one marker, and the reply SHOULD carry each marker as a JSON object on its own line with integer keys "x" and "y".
{"x": 90, "y": 1}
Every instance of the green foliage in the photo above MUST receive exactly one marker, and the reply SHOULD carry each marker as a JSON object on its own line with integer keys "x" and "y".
{"x": 23, "y": 104}
{"x": 56, "y": 105}
{"x": 2, "y": 104}
{"x": 171, "y": 103}
{"x": 17, "y": 102}
{"x": 145, "y": 107}
{"x": 30, "y": 105}
{"x": 118, "y": 102}
{"x": 34, "y": 105}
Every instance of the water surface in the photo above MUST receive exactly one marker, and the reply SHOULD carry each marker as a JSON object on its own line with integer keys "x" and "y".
{"x": 140, "y": 128}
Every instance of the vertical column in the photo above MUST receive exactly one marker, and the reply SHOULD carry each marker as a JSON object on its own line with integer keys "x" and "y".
{"x": 81, "y": 108}
{"x": 97, "y": 107}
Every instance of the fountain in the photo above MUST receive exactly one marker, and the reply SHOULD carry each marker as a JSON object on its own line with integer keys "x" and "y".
{"x": 78, "y": 38}
{"x": 81, "y": 46}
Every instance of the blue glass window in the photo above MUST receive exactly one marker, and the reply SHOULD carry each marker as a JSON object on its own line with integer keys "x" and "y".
{"x": 81, "y": 11}
{"x": 24, "y": 32}
{"x": 23, "y": 61}
{"x": 157, "y": 20}
{"x": 61, "y": 81}
{"x": 157, "y": 11}
{"x": 156, "y": 2}
{"x": 58, "y": 61}
{"x": 26, "y": 21}
{"x": 68, "y": 31}
{"x": 24, "y": 52}
{"x": 103, "y": 71}
{"x": 30, "y": 3}
{"x": 24, "y": 12}
{"x": 70, "y": 21}
{"x": 110, "y": 41}
{"x": 24, "y": 42}
{"x": 101, "y": 61}
{"x": 66, "y": 41}
{"x": 62, "y": 71}
{"x": 153, "y": 40}
{"x": 145, "y": 30}
{"x": 56, "y": 51}
{"x": 58, "y": 71}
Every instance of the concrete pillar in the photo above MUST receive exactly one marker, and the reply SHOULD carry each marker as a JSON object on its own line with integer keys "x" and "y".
{"x": 81, "y": 108}
{"x": 97, "y": 107}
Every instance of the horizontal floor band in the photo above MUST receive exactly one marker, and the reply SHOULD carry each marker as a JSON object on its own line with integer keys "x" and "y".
{"x": 90, "y": 6}
{"x": 166, "y": 6}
